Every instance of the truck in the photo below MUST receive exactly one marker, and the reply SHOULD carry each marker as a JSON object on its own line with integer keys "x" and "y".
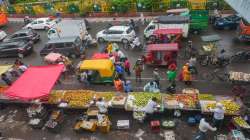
{"x": 243, "y": 31}
{"x": 198, "y": 21}
{"x": 168, "y": 22}
{"x": 67, "y": 28}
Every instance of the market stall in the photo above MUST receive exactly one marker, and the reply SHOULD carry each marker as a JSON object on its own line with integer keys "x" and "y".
{"x": 36, "y": 82}
{"x": 231, "y": 106}
{"x": 239, "y": 77}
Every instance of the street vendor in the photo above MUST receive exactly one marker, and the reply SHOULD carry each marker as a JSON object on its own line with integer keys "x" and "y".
{"x": 151, "y": 107}
{"x": 102, "y": 106}
{"x": 218, "y": 116}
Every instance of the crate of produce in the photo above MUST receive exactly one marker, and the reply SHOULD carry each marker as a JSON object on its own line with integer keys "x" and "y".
{"x": 118, "y": 101}
{"x": 122, "y": 124}
{"x": 240, "y": 122}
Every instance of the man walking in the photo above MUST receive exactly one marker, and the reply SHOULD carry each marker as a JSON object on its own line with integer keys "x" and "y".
{"x": 156, "y": 77}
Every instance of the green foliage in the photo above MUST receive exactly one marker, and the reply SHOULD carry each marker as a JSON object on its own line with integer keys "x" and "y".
{"x": 121, "y": 6}
{"x": 73, "y": 8}
{"x": 144, "y": 5}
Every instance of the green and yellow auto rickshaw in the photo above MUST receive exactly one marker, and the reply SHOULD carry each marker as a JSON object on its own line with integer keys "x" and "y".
{"x": 101, "y": 71}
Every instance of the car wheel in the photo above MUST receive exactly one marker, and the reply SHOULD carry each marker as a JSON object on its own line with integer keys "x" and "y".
{"x": 73, "y": 56}
{"x": 20, "y": 55}
{"x": 101, "y": 40}
{"x": 124, "y": 41}
{"x": 46, "y": 28}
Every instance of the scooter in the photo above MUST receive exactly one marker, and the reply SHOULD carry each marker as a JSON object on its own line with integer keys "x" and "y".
{"x": 133, "y": 44}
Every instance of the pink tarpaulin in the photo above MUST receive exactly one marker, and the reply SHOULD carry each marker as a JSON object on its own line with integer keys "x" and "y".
{"x": 35, "y": 82}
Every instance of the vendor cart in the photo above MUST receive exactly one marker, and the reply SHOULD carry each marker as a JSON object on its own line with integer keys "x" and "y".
{"x": 208, "y": 52}
{"x": 161, "y": 54}
{"x": 166, "y": 36}
{"x": 54, "y": 124}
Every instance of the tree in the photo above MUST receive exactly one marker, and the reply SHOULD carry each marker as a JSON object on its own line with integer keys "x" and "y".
{"x": 121, "y": 6}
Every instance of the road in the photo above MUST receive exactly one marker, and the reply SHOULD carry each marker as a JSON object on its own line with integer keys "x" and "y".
{"x": 23, "y": 131}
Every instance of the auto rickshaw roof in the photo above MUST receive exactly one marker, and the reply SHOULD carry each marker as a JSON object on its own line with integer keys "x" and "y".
{"x": 100, "y": 56}
{"x": 104, "y": 66}
{"x": 168, "y": 31}
{"x": 163, "y": 47}
{"x": 4, "y": 68}
{"x": 211, "y": 38}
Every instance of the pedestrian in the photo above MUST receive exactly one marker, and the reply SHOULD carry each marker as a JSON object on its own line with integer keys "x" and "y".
{"x": 22, "y": 68}
{"x": 127, "y": 66}
{"x": 118, "y": 84}
{"x": 102, "y": 106}
{"x": 121, "y": 56}
{"x": 218, "y": 116}
{"x": 84, "y": 78}
{"x": 18, "y": 63}
{"x": 203, "y": 127}
{"x": 192, "y": 65}
{"x": 109, "y": 48}
{"x": 150, "y": 108}
{"x": 6, "y": 79}
{"x": 171, "y": 75}
{"x": 127, "y": 87}
{"x": 138, "y": 70}
{"x": 186, "y": 75}
{"x": 120, "y": 71}
{"x": 151, "y": 87}
{"x": 156, "y": 77}
{"x": 112, "y": 58}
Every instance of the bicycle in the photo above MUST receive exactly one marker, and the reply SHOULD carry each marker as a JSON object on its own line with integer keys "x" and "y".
{"x": 220, "y": 75}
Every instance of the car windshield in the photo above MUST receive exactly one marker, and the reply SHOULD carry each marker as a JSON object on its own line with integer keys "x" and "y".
{"x": 49, "y": 20}
{"x": 129, "y": 30}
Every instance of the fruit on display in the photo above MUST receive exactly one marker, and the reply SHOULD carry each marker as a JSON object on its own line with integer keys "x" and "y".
{"x": 241, "y": 122}
{"x": 230, "y": 106}
{"x": 106, "y": 95}
{"x": 142, "y": 98}
{"x": 78, "y": 98}
{"x": 168, "y": 124}
{"x": 55, "y": 96}
{"x": 208, "y": 97}
{"x": 138, "y": 114}
{"x": 189, "y": 100}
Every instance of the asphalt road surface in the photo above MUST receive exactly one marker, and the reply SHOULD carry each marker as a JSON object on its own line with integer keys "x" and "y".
{"x": 19, "y": 128}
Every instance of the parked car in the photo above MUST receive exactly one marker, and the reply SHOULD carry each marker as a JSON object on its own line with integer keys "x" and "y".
{"x": 23, "y": 34}
{"x": 68, "y": 46}
{"x": 2, "y": 35}
{"x": 229, "y": 22}
{"x": 122, "y": 34}
{"x": 15, "y": 49}
{"x": 41, "y": 23}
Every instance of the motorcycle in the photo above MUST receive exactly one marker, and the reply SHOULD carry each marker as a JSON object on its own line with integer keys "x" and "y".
{"x": 27, "y": 20}
{"x": 133, "y": 44}
{"x": 241, "y": 56}
{"x": 220, "y": 62}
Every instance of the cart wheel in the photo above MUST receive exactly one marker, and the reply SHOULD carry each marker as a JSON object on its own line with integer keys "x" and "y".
{"x": 208, "y": 76}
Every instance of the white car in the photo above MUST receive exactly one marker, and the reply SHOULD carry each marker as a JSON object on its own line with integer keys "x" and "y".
{"x": 2, "y": 35}
{"x": 41, "y": 23}
{"x": 122, "y": 34}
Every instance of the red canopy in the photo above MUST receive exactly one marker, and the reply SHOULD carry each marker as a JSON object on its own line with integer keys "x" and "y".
{"x": 163, "y": 47}
{"x": 35, "y": 82}
{"x": 168, "y": 31}
{"x": 100, "y": 56}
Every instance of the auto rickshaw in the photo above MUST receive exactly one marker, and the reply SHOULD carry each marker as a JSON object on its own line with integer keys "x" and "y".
{"x": 161, "y": 54}
{"x": 166, "y": 36}
{"x": 208, "y": 52}
{"x": 100, "y": 56}
{"x": 101, "y": 71}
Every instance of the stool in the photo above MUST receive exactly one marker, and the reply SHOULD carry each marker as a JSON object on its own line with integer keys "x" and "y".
{"x": 155, "y": 126}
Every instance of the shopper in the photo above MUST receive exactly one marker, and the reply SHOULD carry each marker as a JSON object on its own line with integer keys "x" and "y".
{"x": 127, "y": 87}
{"x": 112, "y": 58}
{"x": 192, "y": 65}
{"x": 138, "y": 71}
{"x": 119, "y": 70}
{"x": 186, "y": 75}
{"x": 6, "y": 79}
{"x": 127, "y": 66}
{"x": 218, "y": 116}
{"x": 171, "y": 75}
{"x": 109, "y": 48}
{"x": 22, "y": 68}
{"x": 84, "y": 78}
{"x": 156, "y": 77}
{"x": 151, "y": 87}
{"x": 102, "y": 106}
{"x": 118, "y": 84}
